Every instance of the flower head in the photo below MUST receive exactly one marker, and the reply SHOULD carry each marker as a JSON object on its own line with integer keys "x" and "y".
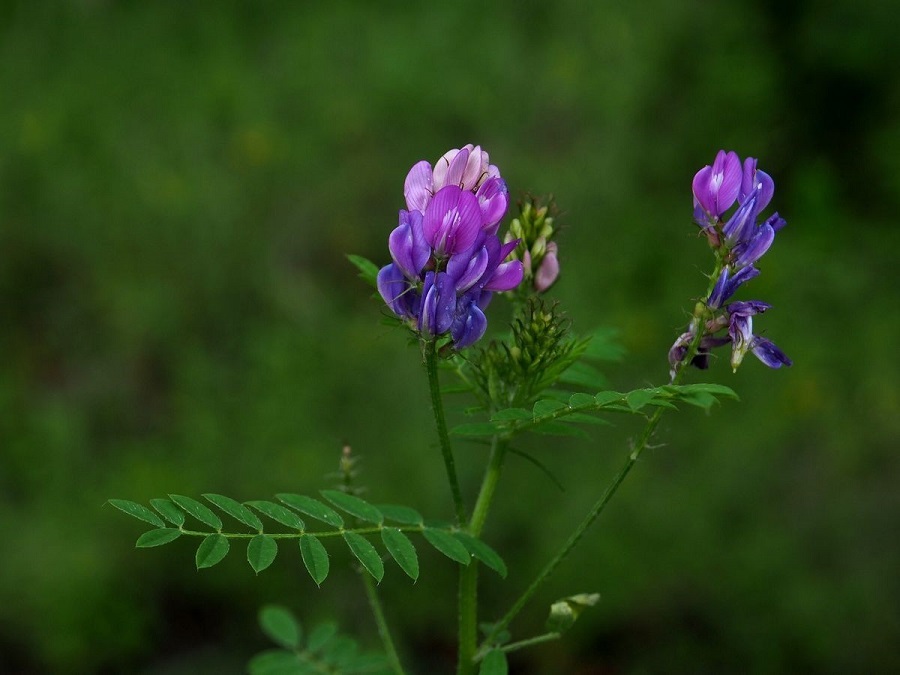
{"x": 447, "y": 258}
{"x": 739, "y": 241}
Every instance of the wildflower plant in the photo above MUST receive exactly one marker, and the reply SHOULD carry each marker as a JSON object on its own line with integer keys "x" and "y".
{"x": 450, "y": 257}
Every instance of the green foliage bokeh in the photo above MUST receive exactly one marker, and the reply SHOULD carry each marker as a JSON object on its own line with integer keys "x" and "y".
{"x": 179, "y": 184}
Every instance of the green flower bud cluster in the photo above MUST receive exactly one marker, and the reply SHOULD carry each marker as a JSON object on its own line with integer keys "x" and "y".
{"x": 513, "y": 373}
{"x": 536, "y": 249}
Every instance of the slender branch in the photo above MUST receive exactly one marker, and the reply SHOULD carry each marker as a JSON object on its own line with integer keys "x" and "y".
{"x": 429, "y": 353}
{"x": 596, "y": 509}
{"x": 383, "y": 630}
{"x": 530, "y": 642}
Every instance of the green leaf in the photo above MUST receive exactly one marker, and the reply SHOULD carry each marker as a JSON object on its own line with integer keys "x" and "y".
{"x": 313, "y": 508}
{"x": 341, "y": 651}
{"x": 605, "y": 398}
{"x": 236, "y": 510}
{"x": 401, "y": 550}
{"x": 563, "y": 613}
{"x": 483, "y": 552}
{"x": 638, "y": 398}
{"x": 315, "y": 557}
{"x": 547, "y": 406}
{"x": 279, "y": 514}
{"x": 400, "y": 514}
{"x": 511, "y": 415}
{"x": 168, "y": 511}
{"x": 278, "y": 662}
{"x": 198, "y": 511}
{"x": 447, "y": 544}
{"x": 280, "y": 625}
{"x": 261, "y": 552}
{"x": 494, "y": 663}
{"x": 157, "y": 537}
{"x": 477, "y": 429}
{"x": 136, "y": 510}
{"x": 581, "y": 400}
{"x": 320, "y": 636}
{"x": 368, "y": 271}
{"x": 366, "y": 554}
{"x": 211, "y": 550}
{"x": 354, "y": 506}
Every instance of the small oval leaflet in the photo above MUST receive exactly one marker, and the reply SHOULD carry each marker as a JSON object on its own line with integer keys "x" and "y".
{"x": 363, "y": 550}
{"x": 168, "y": 511}
{"x": 278, "y": 513}
{"x": 315, "y": 557}
{"x": 236, "y": 510}
{"x": 138, "y": 511}
{"x": 483, "y": 552}
{"x": 401, "y": 514}
{"x": 261, "y": 552}
{"x": 401, "y": 550}
{"x": 313, "y": 508}
{"x": 198, "y": 511}
{"x": 354, "y": 506}
{"x": 211, "y": 550}
{"x": 494, "y": 663}
{"x": 157, "y": 537}
{"x": 280, "y": 625}
{"x": 448, "y": 545}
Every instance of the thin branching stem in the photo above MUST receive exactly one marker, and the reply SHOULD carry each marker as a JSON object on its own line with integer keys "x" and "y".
{"x": 600, "y": 504}
{"x": 383, "y": 630}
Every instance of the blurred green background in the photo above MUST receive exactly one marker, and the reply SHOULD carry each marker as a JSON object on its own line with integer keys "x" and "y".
{"x": 179, "y": 183}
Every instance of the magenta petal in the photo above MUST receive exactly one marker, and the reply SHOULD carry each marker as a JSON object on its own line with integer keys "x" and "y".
{"x": 548, "y": 271}
{"x": 729, "y": 184}
{"x": 466, "y": 269}
{"x": 394, "y": 289}
{"x": 418, "y": 187}
{"x": 701, "y": 189}
{"x": 493, "y": 198}
{"x": 452, "y": 221}
{"x": 473, "y": 169}
{"x": 407, "y": 244}
{"x": 457, "y": 168}
{"x": 507, "y": 277}
{"x": 469, "y": 327}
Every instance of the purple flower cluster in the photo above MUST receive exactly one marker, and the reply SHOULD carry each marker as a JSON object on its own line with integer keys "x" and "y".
{"x": 447, "y": 257}
{"x": 739, "y": 241}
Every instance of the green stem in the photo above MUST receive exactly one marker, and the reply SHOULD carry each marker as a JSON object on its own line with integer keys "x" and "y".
{"x": 599, "y": 505}
{"x": 383, "y": 629}
{"x": 468, "y": 576}
{"x": 530, "y": 642}
{"x": 429, "y": 353}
